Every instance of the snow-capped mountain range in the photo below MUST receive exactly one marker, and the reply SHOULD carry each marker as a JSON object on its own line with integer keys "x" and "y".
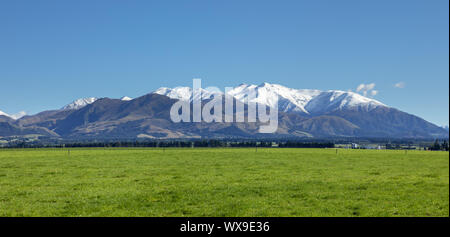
{"x": 305, "y": 101}
{"x": 303, "y": 113}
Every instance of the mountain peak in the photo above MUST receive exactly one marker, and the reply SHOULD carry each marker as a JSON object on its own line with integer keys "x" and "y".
{"x": 126, "y": 98}
{"x": 184, "y": 93}
{"x": 79, "y": 103}
{"x": 4, "y": 114}
{"x": 14, "y": 116}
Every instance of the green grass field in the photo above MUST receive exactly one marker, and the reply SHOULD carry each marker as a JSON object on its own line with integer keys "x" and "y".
{"x": 223, "y": 182}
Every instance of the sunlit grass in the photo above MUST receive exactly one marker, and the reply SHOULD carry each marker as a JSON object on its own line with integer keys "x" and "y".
{"x": 223, "y": 182}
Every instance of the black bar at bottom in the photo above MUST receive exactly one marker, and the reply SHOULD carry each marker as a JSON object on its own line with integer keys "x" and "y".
{"x": 218, "y": 226}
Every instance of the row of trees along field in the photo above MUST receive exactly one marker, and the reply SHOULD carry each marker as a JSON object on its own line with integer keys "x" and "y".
{"x": 442, "y": 145}
{"x": 208, "y": 143}
{"x": 438, "y": 146}
{"x": 200, "y": 143}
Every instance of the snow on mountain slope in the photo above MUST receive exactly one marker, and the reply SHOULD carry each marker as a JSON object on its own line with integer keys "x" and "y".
{"x": 126, "y": 98}
{"x": 14, "y": 116}
{"x": 184, "y": 93}
{"x": 4, "y": 114}
{"x": 338, "y": 100}
{"x": 79, "y": 103}
{"x": 18, "y": 115}
{"x": 289, "y": 100}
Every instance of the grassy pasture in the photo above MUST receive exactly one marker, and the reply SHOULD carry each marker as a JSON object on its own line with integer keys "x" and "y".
{"x": 223, "y": 182}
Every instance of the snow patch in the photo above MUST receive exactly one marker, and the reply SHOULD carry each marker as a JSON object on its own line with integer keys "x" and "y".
{"x": 79, "y": 103}
{"x": 126, "y": 98}
{"x": 14, "y": 116}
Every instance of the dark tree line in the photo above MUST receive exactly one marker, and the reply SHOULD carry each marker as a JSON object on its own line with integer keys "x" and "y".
{"x": 442, "y": 145}
{"x": 162, "y": 144}
{"x": 294, "y": 144}
{"x": 437, "y": 146}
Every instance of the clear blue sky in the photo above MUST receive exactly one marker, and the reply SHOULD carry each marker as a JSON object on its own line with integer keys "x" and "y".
{"x": 52, "y": 52}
